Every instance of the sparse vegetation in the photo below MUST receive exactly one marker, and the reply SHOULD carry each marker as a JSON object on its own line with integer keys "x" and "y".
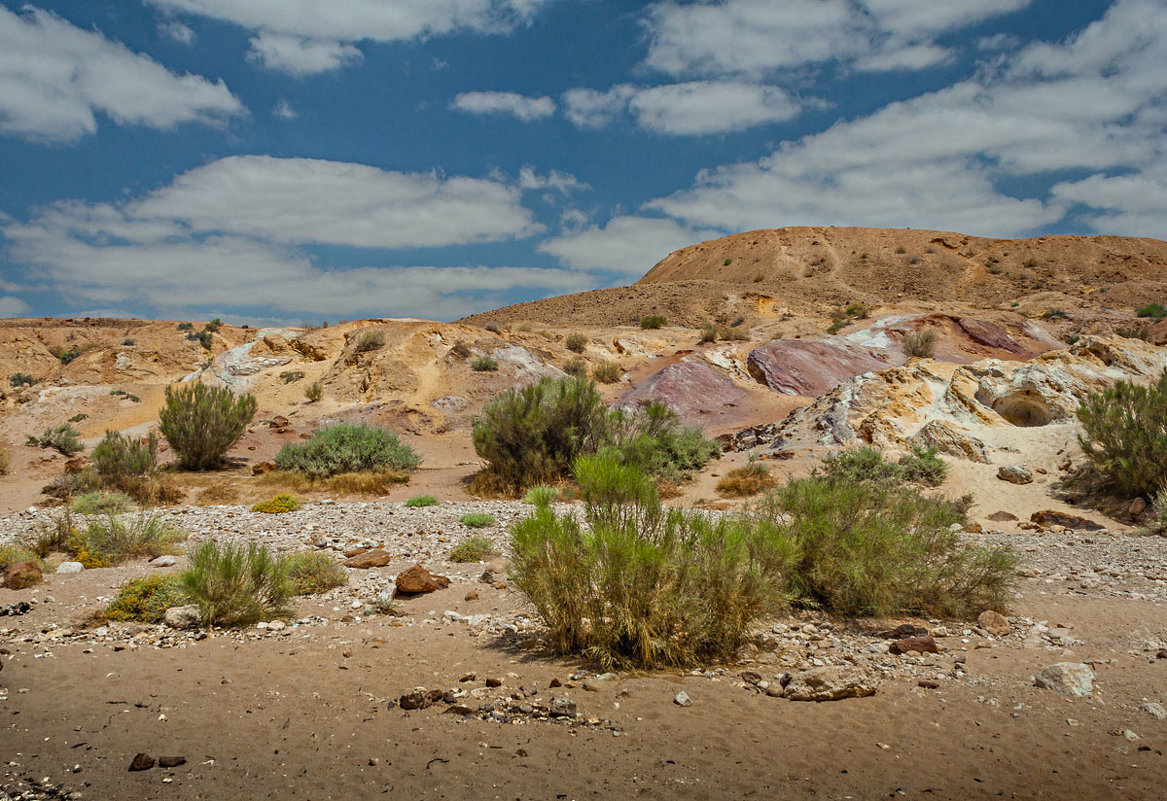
{"x": 314, "y": 392}
{"x": 146, "y": 599}
{"x": 64, "y": 439}
{"x": 920, "y": 344}
{"x": 576, "y": 368}
{"x": 202, "y": 422}
{"x": 185, "y": 326}
{"x": 478, "y": 520}
{"x": 652, "y": 321}
{"x": 278, "y": 505}
{"x": 4, "y": 462}
{"x": 127, "y": 464}
{"x": 728, "y": 261}
{"x": 1156, "y": 311}
{"x": 540, "y": 496}
{"x": 1125, "y": 435}
{"x": 419, "y": 501}
{"x": 235, "y": 585}
{"x": 115, "y": 539}
{"x": 15, "y": 553}
{"x": 576, "y": 342}
{"x": 368, "y": 340}
{"x": 484, "y": 364}
{"x": 121, "y": 393}
{"x": 460, "y": 350}
{"x": 493, "y": 328}
{"x": 473, "y": 549}
{"x": 313, "y": 572}
{"x": 607, "y": 372}
{"x": 101, "y": 502}
{"x": 743, "y": 482}
{"x": 867, "y": 465}
{"x": 858, "y": 311}
{"x": 1135, "y": 331}
{"x": 21, "y": 380}
{"x": 128, "y": 342}
{"x": 759, "y": 278}
{"x": 347, "y": 448}
{"x": 712, "y": 333}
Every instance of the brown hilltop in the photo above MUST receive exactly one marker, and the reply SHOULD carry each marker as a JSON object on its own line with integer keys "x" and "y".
{"x": 804, "y": 271}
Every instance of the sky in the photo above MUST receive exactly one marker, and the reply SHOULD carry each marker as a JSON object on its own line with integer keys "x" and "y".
{"x": 287, "y": 161}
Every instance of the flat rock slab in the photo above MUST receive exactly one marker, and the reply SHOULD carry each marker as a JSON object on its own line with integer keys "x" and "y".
{"x": 1048, "y": 517}
{"x": 831, "y": 684}
{"x": 921, "y": 645}
{"x": 1015, "y": 474}
{"x": 368, "y": 559}
{"x": 811, "y": 369}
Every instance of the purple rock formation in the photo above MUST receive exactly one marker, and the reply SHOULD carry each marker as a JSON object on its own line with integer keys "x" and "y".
{"x": 692, "y": 390}
{"x": 810, "y": 369}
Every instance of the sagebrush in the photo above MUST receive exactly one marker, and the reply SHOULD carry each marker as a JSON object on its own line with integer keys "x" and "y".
{"x": 347, "y": 448}
{"x": 1125, "y": 435}
{"x": 202, "y": 422}
{"x": 235, "y": 585}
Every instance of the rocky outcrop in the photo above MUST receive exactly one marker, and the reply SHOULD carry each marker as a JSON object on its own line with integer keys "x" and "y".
{"x": 812, "y": 369}
{"x": 946, "y": 438}
{"x": 693, "y": 390}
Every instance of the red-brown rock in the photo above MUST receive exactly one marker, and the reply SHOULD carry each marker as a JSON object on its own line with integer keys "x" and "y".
{"x": 812, "y": 369}
{"x": 262, "y": 467}
{"x": 923, "y": 645}
{"x": 368, "y": 559}
{"x": 1048, "y": 517}
{"x": 416, "y": 580}
{"x": 19, "y": 575}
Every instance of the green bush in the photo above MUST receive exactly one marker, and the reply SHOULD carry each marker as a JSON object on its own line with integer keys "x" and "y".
{"x": 1156, "y": 311}
{"x": 477, "y": 520}
{"x": 202, "y": 422}
{"x": 126, "y": 463}
{"x": 541, "y": 496}
{"x": 278, "y": 505}
{"x": 313, "y": 572}
{"x": 368, "y": 340}
{"x": 101, "y": 502}
{"x": 652, "y": 321}
{"x": 146, "y": 599}
{"x": 576, "y": 342}
{"x": 1125, "y": 435}
{"x": 235, "y": 585}
{"x": 21, "y": 380}
{"x": 67, "y": 486}
{"x": 576, "y": 368}
{"x": 1159, "y": 508}
{"x": 923, "y": 466}
{"x": 920, "y": 344}
{"x": 646, "y": 588}
{"x": 347, "y": 448}
{"x": 64, "y": 439}
{"x": 314, "y": 392}
{"x": 472, "y": 549}
{"x": 114, "y": 539}
{"x": 533, "y": 434}
{"x": 607, "y": 372}
{"x": 881, "y": 548}
{"x": 484, "y": 364}
{"x": 421, "y": 500}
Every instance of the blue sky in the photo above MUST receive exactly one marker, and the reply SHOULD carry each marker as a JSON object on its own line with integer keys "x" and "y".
{"x": 296, "y": 160}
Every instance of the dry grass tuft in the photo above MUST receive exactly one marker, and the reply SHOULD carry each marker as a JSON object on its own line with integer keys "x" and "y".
{"x": 746, "y": 481}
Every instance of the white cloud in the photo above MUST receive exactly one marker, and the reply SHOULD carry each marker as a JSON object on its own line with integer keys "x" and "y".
{"x": 516, "y": 105}
{"x": 756, "y": 37}
{"x": 230, "y": 235}
{"x": 303, "y": 36}
{"x": 629, "y": 245}
{"x": 13, "y": 307}
{"x": 283, "y": 109}
{"x": 683, "y": 109}
{"x": 299, "y": 55}
{"x": 1093, "y": 103}
{"x": 562, "y": 182}
{"x": 55, "y": 78}
{"x": 176, "y": 31}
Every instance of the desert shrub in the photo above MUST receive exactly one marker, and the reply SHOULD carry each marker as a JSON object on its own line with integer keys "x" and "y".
{"x": 64, "y": 439}
{"x": 759, "y": 278}
{"x": 876, "y": 548}
{"x": 278, "y": 505}
{"x": 368, "y": 340}
{"x": 314, "y": 392}
{"x": 146, "y": 599}
{"x": 202, "y": 422}
{"x": 652, "y": 589}
{"x": 313, "y": 572}
{"x": 1159, "y": 508}
{"x": 577, "y": 368}
{"x": 477, "y": 520}
{"x": 652, "y": 321}
{"x": 15, "y": 553}
{"x": 116, "y": 539}
{"x": 1125, "y": 434}
{"x": 186, "y": 326}
{"x": 493, "y": 328}
{"x": 838, "y": 325}
{"x": 540, "y": 496}
{"x": 213, "y": 326}
{"x": 67, "y": 486}
{"x": 923, "y": 466}
{"x": 101, "y": 502}
{"x": 1142, "y": 331}
{"x": 55, "y": 534}
{"x": 484, "y": 364}
{"x": 121, "y": 393}
{"x": 460, "y": 350}
{"x": 128, "y": 342}
{"x": 607, "y": 372}
{"x": 653, "y": 439}
{"x": 858, "y": 310}
{"x": 1156, "y": 311}
{"x": 125, "y": 463}
{"x": 733, "y": 333}
{"x": 235, "y": 585}
{"x": 205, "y": 338}
{"x": 576, "y": 342}
{"x": 347, "y": 448}
{"x": 4, "y": 462}
{"x": 920, "y": 344}
{"x": 745, "y": 481}
{"x": 419, "y": 501}
{"x": 365, "y": 482}
{"x": 708, "y": 334}
{"x": 473, "y": 549}
{"x": 21, "y": 380}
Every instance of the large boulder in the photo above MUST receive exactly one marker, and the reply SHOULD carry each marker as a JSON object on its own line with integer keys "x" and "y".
{"x": 182, "y": 617}
{"x": 1067, "y": 678}
{"x": 946, "y": 438}
{"x": 417, "y": 580}
{"x": 831, "y": 684}
{"x": 693, "y": 390}
{"x": 20, "y": 575}
{"x": 810, "y": 368}
{"x": 1015, "y": 474}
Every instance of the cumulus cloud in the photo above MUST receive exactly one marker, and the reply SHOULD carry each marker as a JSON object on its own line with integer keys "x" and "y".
{"x": 628, "y": 245}
{"x": 13, "y": 307}
{"x": 176, "y": 31}
{"x": 1094, "y": 103}
{"x": 507, "y": 103}
{"x": 56, "y": 78}
{"x": 683, "y": 109}
{"x": 238, "y": 233}
{"x": 283, "y": 109}
{"x": 306, "y": 36}
{"x": 756, "y": 37}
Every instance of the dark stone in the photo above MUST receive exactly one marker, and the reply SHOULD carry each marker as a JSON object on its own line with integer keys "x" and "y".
{"x": 1048, "y": 517}
{"x": 1001, "y": 517}
{"x": 923, "y": 645}
{"x": 171, "y": 761}
{"x": 262, "y": 467}
{"x": 902, "y": 631}
{"x": 928, "y": 684}
{"x": 416, "y": 580}
{"x": 750, "y": 677}
{"x": 417, "y": 698}
{"x": 491, "y": 682}
{"x": 141, "y": 762}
